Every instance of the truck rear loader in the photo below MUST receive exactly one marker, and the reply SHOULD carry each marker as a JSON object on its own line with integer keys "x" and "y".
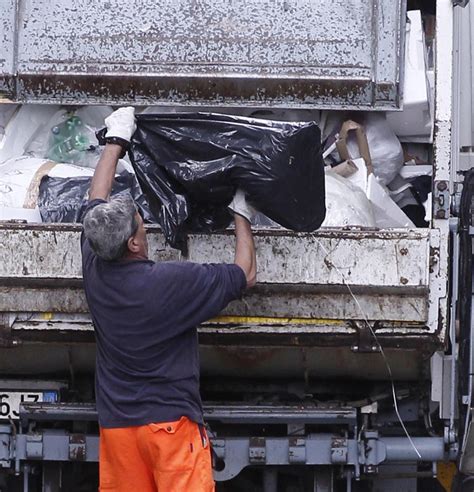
{"x": 349, "y": 366}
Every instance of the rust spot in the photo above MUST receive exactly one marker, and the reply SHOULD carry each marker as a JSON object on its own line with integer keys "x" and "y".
{"x": 403, "y": 280}
{"x": 442, "y": 185}
{"x": 210, "y": 89}
{"x": 404, "y": 251}
{"x": 328, "y": 264}
{"x": 247, "y": 357}
{"x": 434, "y": 256}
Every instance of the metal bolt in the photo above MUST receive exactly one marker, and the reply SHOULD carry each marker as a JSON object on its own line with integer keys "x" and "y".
{"x": 442, "y": 185}
{"x": 440, "y": 214}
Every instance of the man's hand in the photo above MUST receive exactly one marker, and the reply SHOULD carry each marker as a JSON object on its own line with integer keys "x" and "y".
{"x": 120, "y": 128}
{"x": 244, "y": 248}
{"x": 121, "y": 124}
{"x": 240, "y": 206}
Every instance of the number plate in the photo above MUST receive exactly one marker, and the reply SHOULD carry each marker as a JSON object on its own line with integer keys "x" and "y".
{"x": 10, "y": 401}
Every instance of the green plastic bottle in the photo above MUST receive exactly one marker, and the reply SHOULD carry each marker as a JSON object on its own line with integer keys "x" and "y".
{"x": 67, "y": 141}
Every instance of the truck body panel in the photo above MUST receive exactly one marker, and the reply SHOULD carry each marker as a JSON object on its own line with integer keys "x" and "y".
{"x": 212, "y": 53}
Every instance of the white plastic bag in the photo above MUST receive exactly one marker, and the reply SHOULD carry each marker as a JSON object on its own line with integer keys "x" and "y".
{"x": 21, "y": 127}
{"x": 386, "y": 212}
{"x": 385, "y": 149}
{"x": 346, "y": 204}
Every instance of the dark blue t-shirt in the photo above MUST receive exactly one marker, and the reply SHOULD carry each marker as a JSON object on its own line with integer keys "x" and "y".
{"x": 145, "y": 316}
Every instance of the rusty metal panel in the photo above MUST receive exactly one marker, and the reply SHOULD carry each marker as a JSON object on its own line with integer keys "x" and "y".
{"x": 375, "y": 260}
{"x": 227, "y": 361}
{"x": 283, "y": 53}
{"x": 372, "y": 260}
{"x": 282, "y": 302}
{"x": 308, "y": 362}
{"x": 302, "y": 278}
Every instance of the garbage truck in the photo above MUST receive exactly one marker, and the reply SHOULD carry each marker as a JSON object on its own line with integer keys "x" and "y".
{"x": 349, "y": 366}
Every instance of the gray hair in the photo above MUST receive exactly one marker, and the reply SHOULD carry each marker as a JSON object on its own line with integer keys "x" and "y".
{"x": 108, "y": 226}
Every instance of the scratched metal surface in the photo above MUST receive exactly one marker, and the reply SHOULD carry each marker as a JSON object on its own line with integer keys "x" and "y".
{"x": 7, "y": 37}
{"x": 373, "y": 260}
{"x": 287, "y": 53}
{"x": 407, "y": 306}
{"x": 299, "y": 275}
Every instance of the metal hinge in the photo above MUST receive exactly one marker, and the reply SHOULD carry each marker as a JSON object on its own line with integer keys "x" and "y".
{"x": 34, "y": 446}
{"x": 441, "y": 200}
{"x": 339, "y": 451}
{"x": 6, "y": 338}
{"x": 366, "y": 341}
{"x": 77, "y": 447}
{"x": 257, "y": 451}
{"x": 297, "y": 451}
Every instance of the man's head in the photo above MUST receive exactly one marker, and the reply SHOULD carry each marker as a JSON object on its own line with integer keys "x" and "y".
{"x": 115, "y": 229}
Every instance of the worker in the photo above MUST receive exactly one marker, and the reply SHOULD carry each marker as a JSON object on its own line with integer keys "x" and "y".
{"x": 145, "y": 316}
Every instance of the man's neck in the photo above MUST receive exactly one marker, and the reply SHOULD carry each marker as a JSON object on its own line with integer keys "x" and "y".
{"x": 129, "y": 255}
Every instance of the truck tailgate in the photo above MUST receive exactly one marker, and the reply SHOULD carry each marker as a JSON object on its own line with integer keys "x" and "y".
{"x": 310, "y": 280}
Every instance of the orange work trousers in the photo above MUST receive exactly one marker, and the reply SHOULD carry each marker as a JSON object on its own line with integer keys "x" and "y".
{"x": 162, "y": 457}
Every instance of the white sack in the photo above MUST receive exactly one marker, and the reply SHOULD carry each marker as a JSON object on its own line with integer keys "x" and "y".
{"x": 387, "y": 214}
{"x": 346, "y": 204}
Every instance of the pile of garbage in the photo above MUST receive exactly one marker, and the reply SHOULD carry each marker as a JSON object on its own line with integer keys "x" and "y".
{"x": 379, "y": 166}
{"x": 47, "y": 158}
{"x": 189, "y": 165}
{"x": 300, "y": 169}
{"x": 364, "y": 186}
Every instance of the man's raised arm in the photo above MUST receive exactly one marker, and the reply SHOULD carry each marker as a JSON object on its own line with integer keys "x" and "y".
{"x": 120, "y": 128}
{"x": 245, "y": 255}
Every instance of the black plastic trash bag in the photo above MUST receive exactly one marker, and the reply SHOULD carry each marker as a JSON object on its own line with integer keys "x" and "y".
{"x": 62, "y": 199}
{"x": 190, "y": 165}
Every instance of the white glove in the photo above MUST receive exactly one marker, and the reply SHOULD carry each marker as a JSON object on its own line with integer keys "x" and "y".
{"x": 121, "y": 124}
{"x": 239, "y": 206}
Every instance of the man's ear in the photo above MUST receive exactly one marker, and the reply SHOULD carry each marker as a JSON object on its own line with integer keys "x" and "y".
{"x": 132, "y": 245}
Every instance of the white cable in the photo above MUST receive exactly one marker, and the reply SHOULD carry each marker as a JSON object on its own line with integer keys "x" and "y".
{"x": 389, "y": 369}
